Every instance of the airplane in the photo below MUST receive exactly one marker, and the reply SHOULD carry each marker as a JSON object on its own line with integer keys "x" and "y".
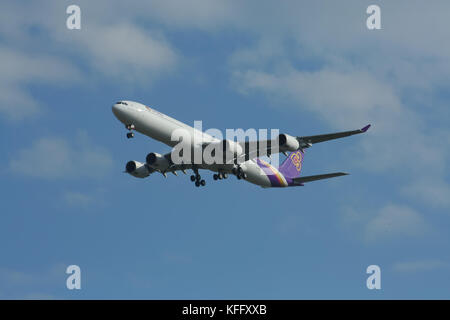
{"x": 245, "y": 161}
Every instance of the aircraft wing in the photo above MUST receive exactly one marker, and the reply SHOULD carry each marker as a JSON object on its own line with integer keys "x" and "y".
{"x": 254, "y": 149}
{"x": 178, "y": 167}
{"x": 301, "y": 180}
{"x": 331, "y": 136}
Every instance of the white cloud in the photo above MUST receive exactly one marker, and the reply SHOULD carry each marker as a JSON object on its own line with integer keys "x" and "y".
{"x": 23, "y": 284}
{"x": 199, "y": 14}
{"x": 395, "y": 221}
{"x": 15, "y": 102}
{"x": 119, "y": 49}
{"x": 56, "y": 158}
{"x": 20, "y": 69}
{"x": 386, "y": 224}
{"x": 15, "y": 277}
{"x": 123, "y": 50}
{"x": 420, "y": 266}
{"x": 78, "y": 198}
{"x": 339, "y": 97}
{"x": 84, "y": 200}
{"x": 435, "y": 192}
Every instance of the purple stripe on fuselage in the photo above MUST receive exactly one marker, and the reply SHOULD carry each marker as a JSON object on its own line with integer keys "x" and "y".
{"x": 273, "y": 178}
{"x": 269, "y": 173}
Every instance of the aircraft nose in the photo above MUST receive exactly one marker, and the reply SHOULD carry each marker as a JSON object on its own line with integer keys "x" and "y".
{"x": 118, "y": 110}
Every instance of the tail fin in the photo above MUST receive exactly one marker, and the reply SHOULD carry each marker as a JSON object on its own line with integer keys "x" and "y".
{"x": 292, "y": 166}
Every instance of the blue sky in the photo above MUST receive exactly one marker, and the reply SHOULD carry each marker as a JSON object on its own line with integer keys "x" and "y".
{"x": 298, "y": 66}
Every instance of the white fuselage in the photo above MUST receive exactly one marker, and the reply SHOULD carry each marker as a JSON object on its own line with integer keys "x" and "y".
{"x": 159, "y": 126}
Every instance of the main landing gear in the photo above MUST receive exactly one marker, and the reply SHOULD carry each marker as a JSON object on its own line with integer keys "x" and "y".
{"x": 239, "y": 173}
{"x": 130, "y": 127}
{"x": 220, "y": 176}
{"x": 198, "y": 179}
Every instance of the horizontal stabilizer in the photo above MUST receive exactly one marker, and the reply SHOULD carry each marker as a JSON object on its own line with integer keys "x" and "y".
{"x": 300, "y": 180}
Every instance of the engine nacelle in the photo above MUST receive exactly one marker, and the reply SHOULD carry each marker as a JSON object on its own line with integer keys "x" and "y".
{"x": 137, "y": 169}
{"x": 157, "y": 161}
{"x": 288, "y": 143}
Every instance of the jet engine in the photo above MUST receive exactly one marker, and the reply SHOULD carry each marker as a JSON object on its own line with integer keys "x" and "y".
{"x": 157, "y": 161}
{"x": 288, "y": 143}
{"x": 137, "y": 169}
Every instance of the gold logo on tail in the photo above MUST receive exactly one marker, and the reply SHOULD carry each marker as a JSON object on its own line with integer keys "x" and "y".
{"x": 297, "y": 160}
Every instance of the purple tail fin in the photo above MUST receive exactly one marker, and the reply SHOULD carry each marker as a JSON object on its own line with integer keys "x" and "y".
{"x": 292, "y": 166}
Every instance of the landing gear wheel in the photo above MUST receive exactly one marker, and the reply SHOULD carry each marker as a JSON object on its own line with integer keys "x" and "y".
{"x": 192, "y": 178}
{"x": 220, "y": 176}
{"x": 215, "y": 176}
{"x": 225, "y": 175}
{"x": 197, "y": 183}
{"x": 202, "y": 182}
{"x": 239, "y": 177}
{"x": 244, "y": 175}
{"x": 130, "y": 135}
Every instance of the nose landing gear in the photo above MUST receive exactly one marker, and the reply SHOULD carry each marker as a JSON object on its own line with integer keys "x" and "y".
{"x": 130, "y": 127}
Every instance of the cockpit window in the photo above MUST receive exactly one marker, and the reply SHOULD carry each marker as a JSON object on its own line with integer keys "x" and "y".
{"x": 121, "y": 102}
